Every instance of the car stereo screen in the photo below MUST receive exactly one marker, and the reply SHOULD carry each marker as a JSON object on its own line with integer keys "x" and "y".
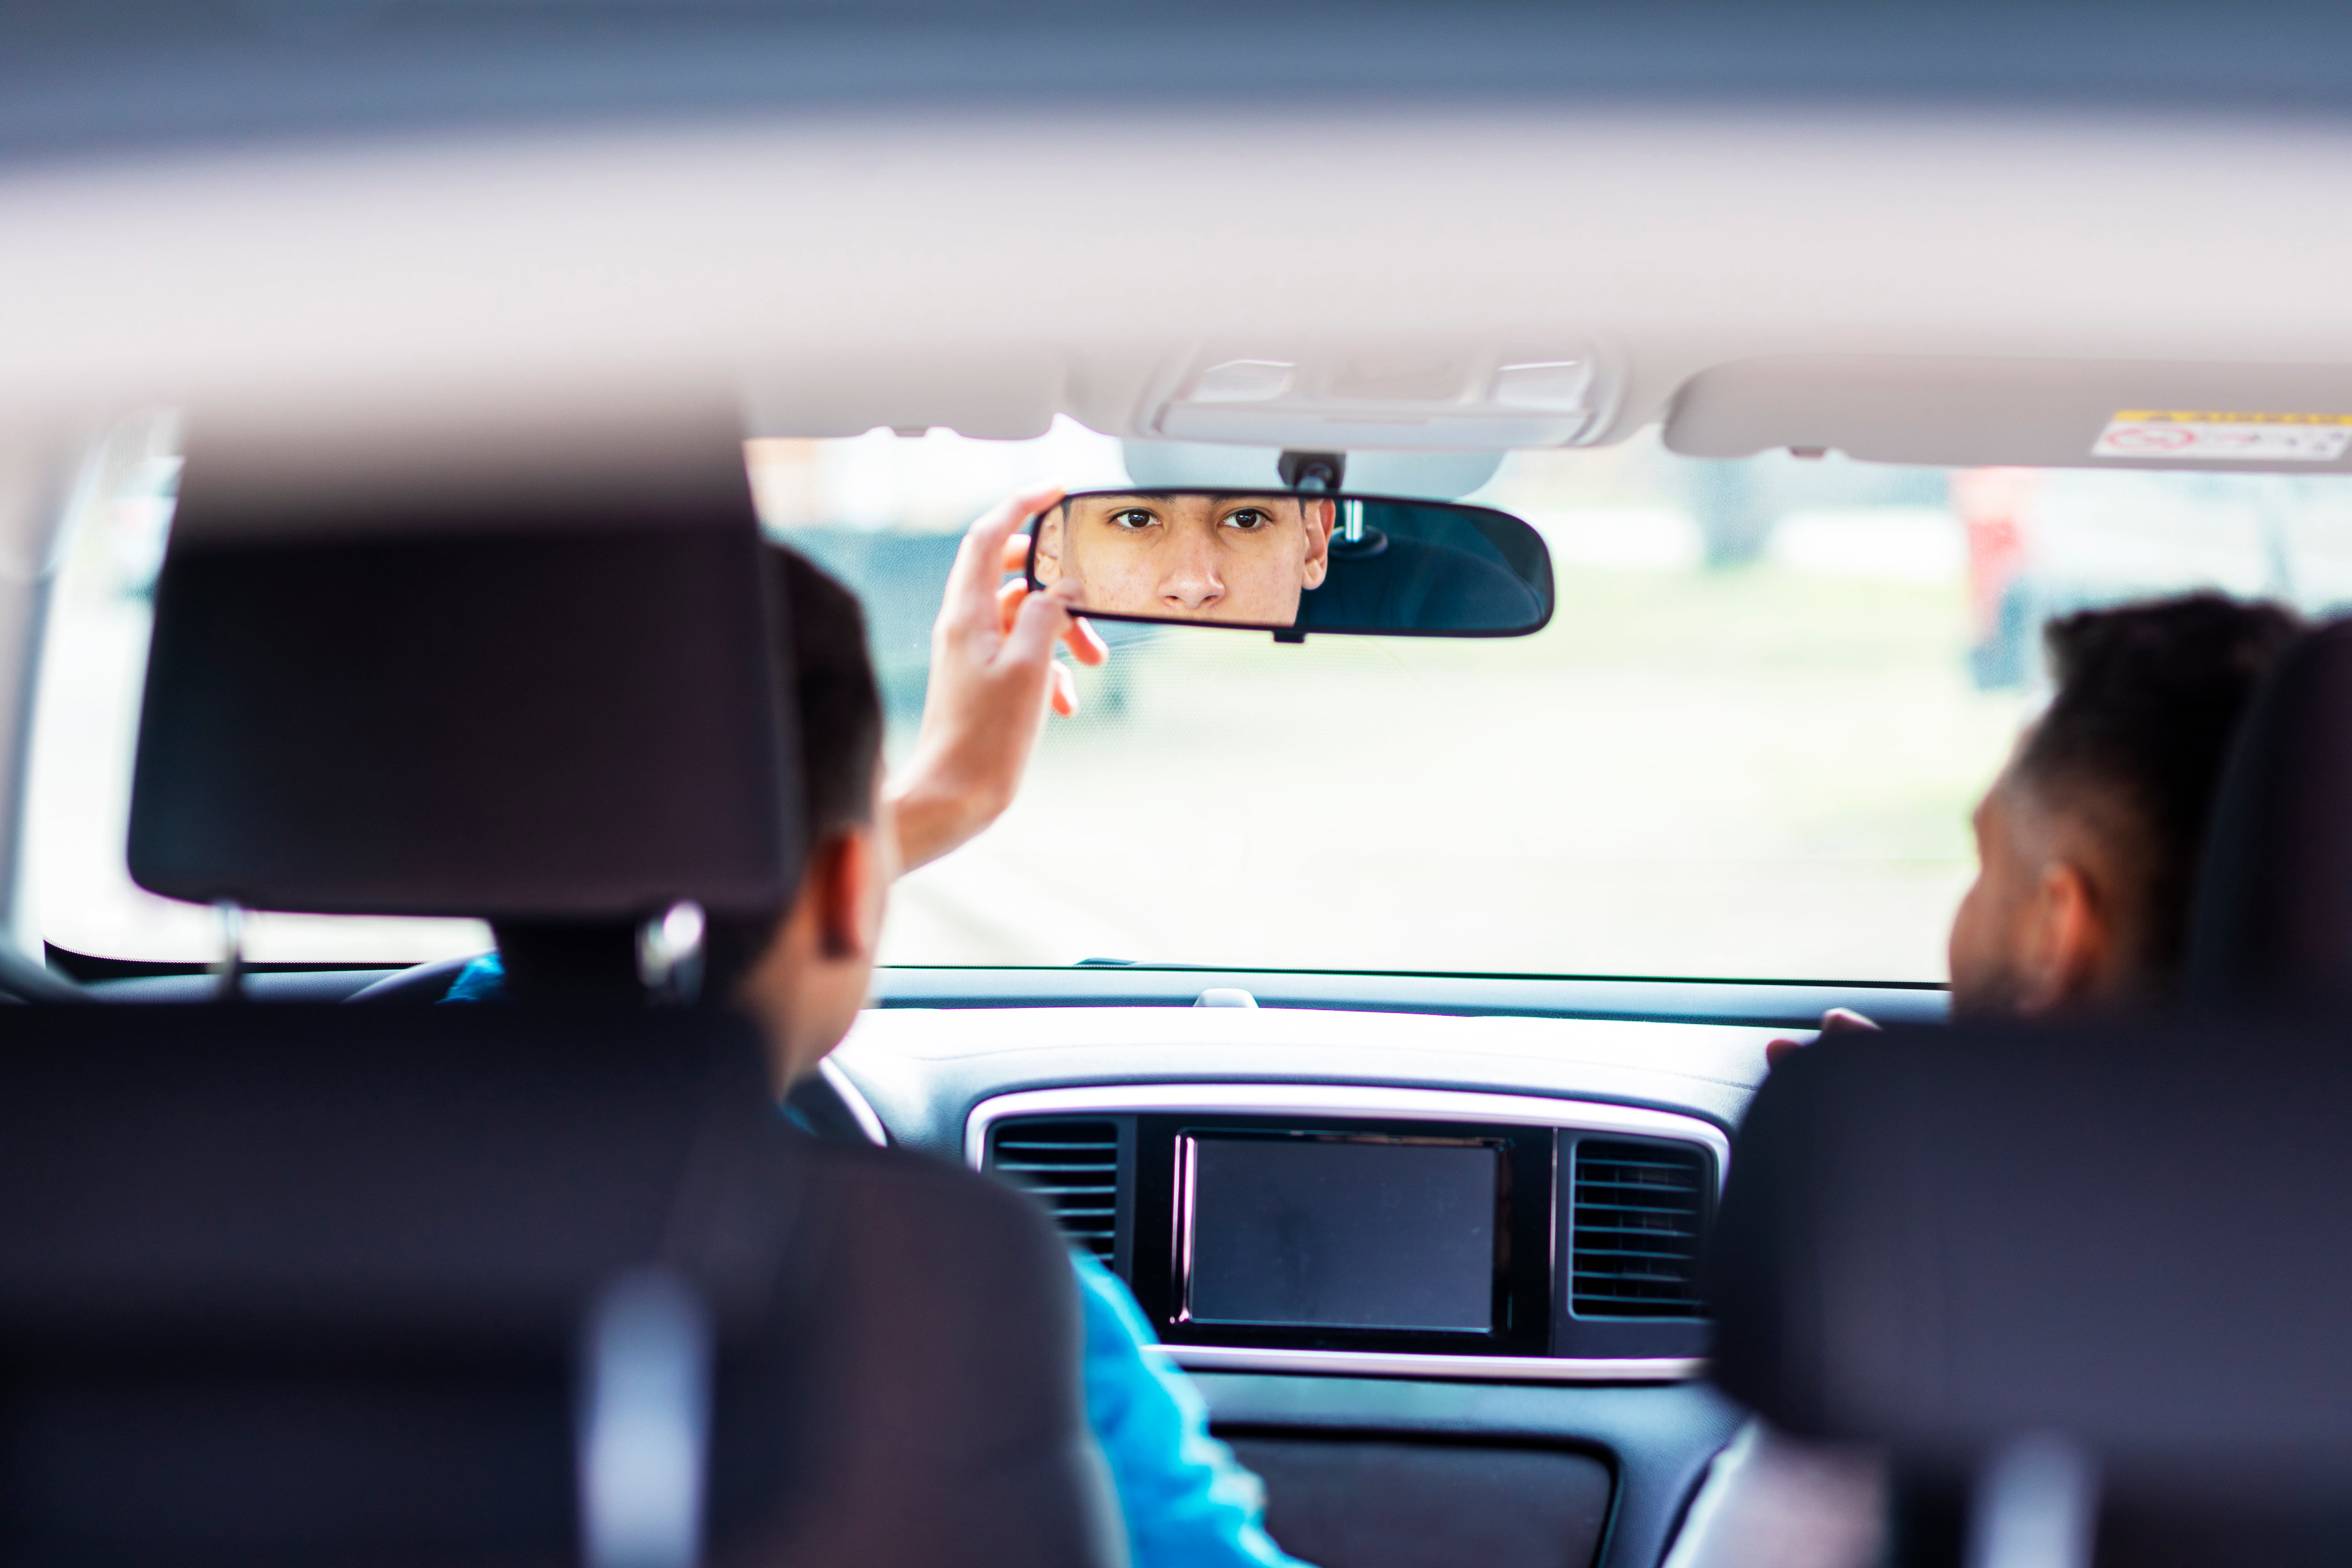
{"x": 1342, "y": 1233}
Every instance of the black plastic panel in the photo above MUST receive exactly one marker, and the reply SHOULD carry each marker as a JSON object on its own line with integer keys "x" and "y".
{"x": 1378, "y": 1503}
{"x": 1656, "y": 1439}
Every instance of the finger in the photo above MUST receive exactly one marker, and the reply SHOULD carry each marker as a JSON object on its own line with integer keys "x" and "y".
{"x": 1774, "y": 1050}
{"x": 1016, "y": 552}
{"x": 1037, "y": 624}
{"x": 1066, "y": 691}
{"x": 992, "y": 533}
{"x": 978, "y": 559}
{"x": 1842, "y": 1020}
{"x": 1009, "y": 596}
{"x": 1085, "y": 643}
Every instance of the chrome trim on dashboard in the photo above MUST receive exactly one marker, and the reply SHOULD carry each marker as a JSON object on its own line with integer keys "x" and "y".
{"x": 861, "y": 1109}
{"x": 1346, "y": 1100}
{"x": 1481, "y": 1368}
{"x": 1180, "y": 1230}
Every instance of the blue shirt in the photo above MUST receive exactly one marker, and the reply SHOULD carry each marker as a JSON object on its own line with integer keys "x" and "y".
{"x": 1187, "y": 1501}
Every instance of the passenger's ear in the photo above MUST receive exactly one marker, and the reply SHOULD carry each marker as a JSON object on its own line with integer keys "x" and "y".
{"x": 1321, "y": 517}
{"x": 851, "y": 879}
{"x": 2066, "y": 939}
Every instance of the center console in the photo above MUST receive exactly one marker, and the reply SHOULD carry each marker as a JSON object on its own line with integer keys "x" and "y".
{"x": 1366, "y": 1229}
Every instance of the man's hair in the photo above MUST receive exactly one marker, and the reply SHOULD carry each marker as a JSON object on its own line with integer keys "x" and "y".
{"x": 828, "y": 678}
{"x": 833, "y": 691}
{"x": 829, "y": 681}
{"x": 2149, "y": 697}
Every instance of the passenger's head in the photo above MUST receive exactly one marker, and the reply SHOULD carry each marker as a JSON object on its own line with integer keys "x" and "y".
{"x": 804, "y": 975}
{"x": 2088, "y": 842}
{"x": 1206, "y": 557}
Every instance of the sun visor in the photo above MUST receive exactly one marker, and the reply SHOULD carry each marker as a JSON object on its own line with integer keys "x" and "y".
{"x": 2039, "y": 413}
{"x": 440, "y": 678}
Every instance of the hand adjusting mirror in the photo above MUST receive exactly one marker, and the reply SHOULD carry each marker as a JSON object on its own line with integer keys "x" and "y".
{"x": 1292, "y": 562}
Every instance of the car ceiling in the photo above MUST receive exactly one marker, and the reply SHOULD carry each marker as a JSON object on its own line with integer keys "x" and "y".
{"x": 1932, "y": 234}
{"x": 159, "y": 72}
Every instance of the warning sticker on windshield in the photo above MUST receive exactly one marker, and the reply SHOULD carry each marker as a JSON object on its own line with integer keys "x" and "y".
{"x": 2205, "y": 436}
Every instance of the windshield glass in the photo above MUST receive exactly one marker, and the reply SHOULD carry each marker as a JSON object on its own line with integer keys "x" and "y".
{"x": 1746, "y": 746}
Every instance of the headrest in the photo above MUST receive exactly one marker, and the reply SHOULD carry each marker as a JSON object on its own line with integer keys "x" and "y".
{"x": 2272, "y": 919}
{"x": 2133, "y": 1237}
{"x": 451, "y": 678}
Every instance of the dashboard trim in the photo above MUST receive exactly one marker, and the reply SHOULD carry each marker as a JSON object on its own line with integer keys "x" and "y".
{"x": 1401, "y": 1104}
{"x": 1340, "y": 1099}
{"x": 1482, "y": 1369}
{"x": 852, "y": 1100}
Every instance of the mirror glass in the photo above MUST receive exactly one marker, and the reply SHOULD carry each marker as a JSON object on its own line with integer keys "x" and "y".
{"x": 1283, "y": 561}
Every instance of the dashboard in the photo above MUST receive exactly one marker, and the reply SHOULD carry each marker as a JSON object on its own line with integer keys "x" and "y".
{"x": 1425, "y": 1244}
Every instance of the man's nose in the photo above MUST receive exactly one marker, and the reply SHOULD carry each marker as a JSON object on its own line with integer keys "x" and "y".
{"x": 1190, "y": 582}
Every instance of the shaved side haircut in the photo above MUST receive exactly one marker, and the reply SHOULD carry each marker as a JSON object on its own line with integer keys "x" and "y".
{"x": 2150, "y": 697}
{"x": 840, "y": 707}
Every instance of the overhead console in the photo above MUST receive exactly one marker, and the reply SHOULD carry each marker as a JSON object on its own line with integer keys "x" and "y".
{"x": 1346, "y": 1228}
{"x": 1413, "y": 398}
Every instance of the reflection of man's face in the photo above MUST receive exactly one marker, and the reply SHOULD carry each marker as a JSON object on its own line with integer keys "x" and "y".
{"x": 1191, "y": 557}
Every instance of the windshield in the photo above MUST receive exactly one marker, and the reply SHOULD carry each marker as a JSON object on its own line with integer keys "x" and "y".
{"x": 1746, "y": 746}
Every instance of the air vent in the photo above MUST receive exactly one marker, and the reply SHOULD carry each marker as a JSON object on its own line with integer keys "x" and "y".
{"x": 1073, "y": 1169}
{"x": 1634, "y": 1249}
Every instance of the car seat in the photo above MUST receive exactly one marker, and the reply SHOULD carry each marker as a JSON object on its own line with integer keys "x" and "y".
{"x": 498, "y": 1286}
{"x": 2084, "y": 1267}
{"x": 2271, "y": 927}
{"x": 502, "y": 1286}
{"x": 2084, "y": 1285}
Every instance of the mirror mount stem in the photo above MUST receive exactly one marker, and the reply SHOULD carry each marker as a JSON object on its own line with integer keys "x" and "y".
{"x": 1313, "y": 473}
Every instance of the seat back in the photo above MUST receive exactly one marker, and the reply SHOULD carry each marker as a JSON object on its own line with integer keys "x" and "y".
{"x": 298, "y": 1284}
{"x": 505, "y": 1286}
{"x": 2130, "y": 1237}
{"x": 2272, "y": 925}
{"x": 494, "y": 1286}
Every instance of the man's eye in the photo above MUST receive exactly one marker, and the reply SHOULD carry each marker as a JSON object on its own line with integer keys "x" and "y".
{"x": 1247, "y": 517}
{"x": 1134, "y": 517}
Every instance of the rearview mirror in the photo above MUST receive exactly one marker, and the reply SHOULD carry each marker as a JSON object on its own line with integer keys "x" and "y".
{"x": 1291, "y": 564}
